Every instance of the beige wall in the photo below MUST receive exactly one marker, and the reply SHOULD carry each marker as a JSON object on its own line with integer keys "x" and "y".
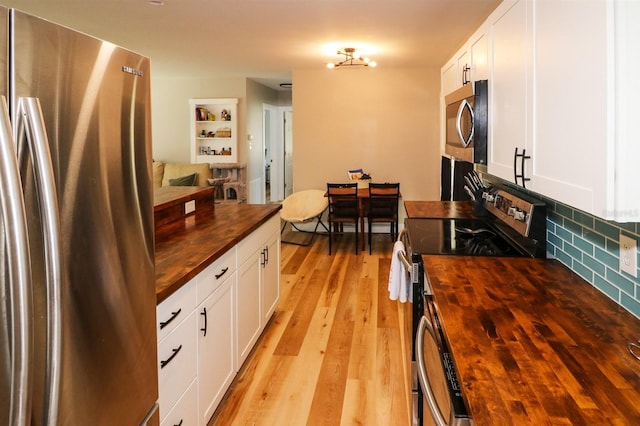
{"x": 385, "y": 121}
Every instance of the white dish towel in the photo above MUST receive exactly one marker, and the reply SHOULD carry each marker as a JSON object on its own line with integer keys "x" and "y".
{"x": 398, "y": 288}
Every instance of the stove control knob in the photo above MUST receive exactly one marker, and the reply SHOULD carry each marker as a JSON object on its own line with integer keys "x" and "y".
{"x": 517, "y": 214}
{"x": 520, "y": 215}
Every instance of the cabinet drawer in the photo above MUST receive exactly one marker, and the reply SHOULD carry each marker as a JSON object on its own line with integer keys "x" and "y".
{"x": 185, "y": 412}
{"x": 172, "y": 311}
{"x": 215, "y": 274}
{"x": 257, "y": 238}
{"x": 178, "y": 353}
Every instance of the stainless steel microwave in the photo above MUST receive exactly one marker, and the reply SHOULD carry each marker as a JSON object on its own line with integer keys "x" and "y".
{"x": 467, "y": 122}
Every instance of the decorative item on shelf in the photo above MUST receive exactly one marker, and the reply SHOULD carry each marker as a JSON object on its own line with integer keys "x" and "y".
{"x": 225, "y": 132}
{"x": 351, "y": 59}
{"x": 212, "y": 117}
{"x": 202, "y": 114}
{"x": 203, "y": 134}
{"x": 226, "y": 151}
{"x": 211, "y": 135}
{"x": 206, "y": 150}
{"x": 225, "y": 116}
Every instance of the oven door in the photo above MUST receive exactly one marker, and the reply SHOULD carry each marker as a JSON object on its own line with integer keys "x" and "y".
{"x": 438, "y": 402}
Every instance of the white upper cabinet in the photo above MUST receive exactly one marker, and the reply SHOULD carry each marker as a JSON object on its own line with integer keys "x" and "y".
{"x": 562, "y": 87}
{"x": 479, "y": 54}
{"x": 571, "y": 106}
{"x": 510, "y": 87}
{"x": 586, "y": 151}
{"x": 469, "y": 64}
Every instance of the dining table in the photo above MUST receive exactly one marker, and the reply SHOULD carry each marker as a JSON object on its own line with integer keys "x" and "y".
{"x": 363, "y": 198}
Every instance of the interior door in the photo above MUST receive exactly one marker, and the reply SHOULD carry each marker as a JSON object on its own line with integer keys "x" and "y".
{"x": 288, "y": 152}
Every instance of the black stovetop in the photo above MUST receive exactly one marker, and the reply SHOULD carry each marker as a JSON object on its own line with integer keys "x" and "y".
{"x": 468, "y": 237}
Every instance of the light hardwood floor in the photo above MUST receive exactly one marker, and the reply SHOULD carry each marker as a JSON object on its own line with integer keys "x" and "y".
{"x": 333, "y": 352}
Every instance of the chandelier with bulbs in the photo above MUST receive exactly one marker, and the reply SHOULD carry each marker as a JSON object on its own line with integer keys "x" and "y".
{"x": 352, "y": 59}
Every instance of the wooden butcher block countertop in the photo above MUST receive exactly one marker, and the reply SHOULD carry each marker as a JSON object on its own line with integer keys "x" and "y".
{"x": 439, "y": 209}
{"x": 533, "y": 343}
{"x": 186, "y": 247}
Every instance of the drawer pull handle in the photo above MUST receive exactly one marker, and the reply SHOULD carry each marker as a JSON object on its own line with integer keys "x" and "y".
{"x": 224, "y": 271}
{"x": 179, "y": 424}
{"x": 632, "y": 346}
{"x": 204, "y": 313}
{"x": 173, "y": 355}
{"x": 173, "y": 316}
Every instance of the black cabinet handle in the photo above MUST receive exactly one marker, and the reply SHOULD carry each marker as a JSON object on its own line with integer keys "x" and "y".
{"x": 204, "y": 313}
{"x": 267, "y": 256}
{"x": 263, "y": 260}
{"x": 173, "y": 355}
{"x": 224, "y": 271}
{"x": 465, "y": 74}
{"x": 179, "y": 424}
{"x": 173, "y": 316}
{"x": 521, "y": 175}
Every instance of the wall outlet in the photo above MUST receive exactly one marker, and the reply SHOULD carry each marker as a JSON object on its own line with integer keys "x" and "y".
{"x": 190, "y": 207}
{"x": 628, "y": 255}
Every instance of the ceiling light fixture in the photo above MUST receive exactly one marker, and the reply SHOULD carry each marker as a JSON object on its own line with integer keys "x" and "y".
{"x": 352, "y": 58}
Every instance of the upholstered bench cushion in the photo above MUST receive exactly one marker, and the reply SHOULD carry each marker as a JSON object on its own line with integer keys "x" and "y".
{"x": 178, "y": 170}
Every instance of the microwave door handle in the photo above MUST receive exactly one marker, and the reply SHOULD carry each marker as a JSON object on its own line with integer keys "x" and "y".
{"x": 422, "y": 371}
{"x": 465, "y": 141}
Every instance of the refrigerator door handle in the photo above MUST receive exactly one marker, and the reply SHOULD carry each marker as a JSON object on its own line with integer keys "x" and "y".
{"x": 18, "y": 271}
{"x": 30, "y": 127}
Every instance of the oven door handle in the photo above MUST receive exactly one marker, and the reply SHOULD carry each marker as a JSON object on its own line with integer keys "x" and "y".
{"x": 422, "y": 371}
{"x": 402, "y": 254}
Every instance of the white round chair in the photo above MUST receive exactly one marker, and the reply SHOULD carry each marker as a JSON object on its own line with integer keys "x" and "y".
{"x": 303, "y": 207}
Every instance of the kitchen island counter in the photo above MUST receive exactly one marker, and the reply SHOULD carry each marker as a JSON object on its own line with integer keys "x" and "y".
{"x": 185, "y": 247}
{"x": 533, "y": 343}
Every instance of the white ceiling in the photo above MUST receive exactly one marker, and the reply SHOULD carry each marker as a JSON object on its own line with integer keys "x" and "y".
{"x": 266, "y": 39}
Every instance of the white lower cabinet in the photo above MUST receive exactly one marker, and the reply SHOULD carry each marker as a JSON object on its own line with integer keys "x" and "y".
{"x": 185, "y": 412}
{"x": 177, "y": 356}
{"x": 258, "y": 283}
{"x": 270, "y": 280}
{"x": 216, "y": 363}
{"x": 248, "y": 306}
{"x": 208, "y": 327}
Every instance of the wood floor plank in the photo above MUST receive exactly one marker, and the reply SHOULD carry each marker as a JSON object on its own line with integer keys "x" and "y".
{"x": 328, "y": 398}
{"x": 333, "y": 352}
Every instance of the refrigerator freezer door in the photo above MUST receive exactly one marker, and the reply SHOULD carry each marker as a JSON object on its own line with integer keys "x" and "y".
{"x": 95, "y": 101}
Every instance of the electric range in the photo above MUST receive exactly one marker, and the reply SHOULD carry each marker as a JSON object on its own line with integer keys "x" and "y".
{"x": 513, "y": 226}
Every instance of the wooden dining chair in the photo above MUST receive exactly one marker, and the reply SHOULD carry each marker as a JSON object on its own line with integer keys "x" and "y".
{"x": 343, "y": 208}
{"x": 383, "y": 207}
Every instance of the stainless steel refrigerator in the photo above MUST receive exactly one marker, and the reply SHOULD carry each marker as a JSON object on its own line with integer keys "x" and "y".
{"x": 77, "y": 297}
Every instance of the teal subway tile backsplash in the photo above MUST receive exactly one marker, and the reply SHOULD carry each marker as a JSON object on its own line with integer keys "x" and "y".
{"x": 590, "y": 247}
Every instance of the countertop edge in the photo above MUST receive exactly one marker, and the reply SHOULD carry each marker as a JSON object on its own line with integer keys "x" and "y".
{"x": 185, "y": 249}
